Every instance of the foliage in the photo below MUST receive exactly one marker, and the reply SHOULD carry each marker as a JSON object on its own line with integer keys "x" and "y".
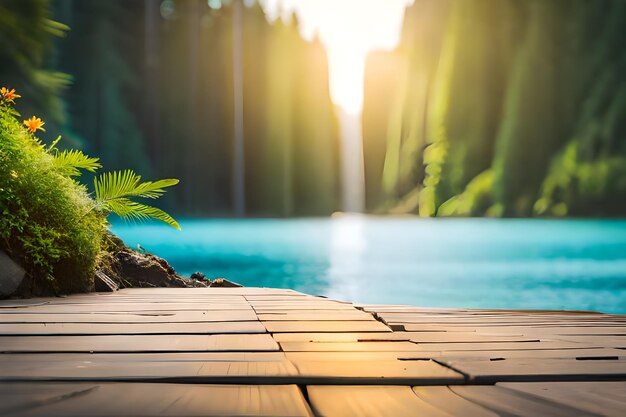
{"x": 70, "y": 162}
{"x": 100, "y": 51}
{"x": 474, "y": 200}
{"x": 49, "y": 222}
{"x": 524, "y": 109}
{"x": 114, "y": 191}
{"x": 26, "y": 51}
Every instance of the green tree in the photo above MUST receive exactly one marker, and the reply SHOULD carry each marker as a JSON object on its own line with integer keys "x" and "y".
{"x": 100, "y": 53}
{"x": 26, "y": 52}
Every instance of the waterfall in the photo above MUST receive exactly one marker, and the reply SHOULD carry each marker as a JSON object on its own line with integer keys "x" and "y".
{"x": 349, "y": 30}
{"x": 239, "y": 164}
{"x": 352, "y": 169}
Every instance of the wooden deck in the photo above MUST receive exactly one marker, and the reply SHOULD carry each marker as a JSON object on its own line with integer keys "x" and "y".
{"x": 273, "y": 352}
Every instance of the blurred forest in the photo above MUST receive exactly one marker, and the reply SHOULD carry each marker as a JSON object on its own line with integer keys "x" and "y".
{"x": 487, "y": 107}
{"x": 501, "y": 108}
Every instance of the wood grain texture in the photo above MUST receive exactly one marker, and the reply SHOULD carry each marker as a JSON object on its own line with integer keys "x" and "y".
{"x": 142, "y": 400}
{"x": 373, "y": 401}
{"x": 69, "y": 356}
{"x": 603, "y": 398}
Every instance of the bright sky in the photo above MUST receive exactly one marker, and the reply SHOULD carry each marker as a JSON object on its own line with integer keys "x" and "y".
{"x": 349, "y": 29}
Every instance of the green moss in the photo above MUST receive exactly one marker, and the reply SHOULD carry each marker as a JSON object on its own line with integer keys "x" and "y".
{"x": 48, "y": 221}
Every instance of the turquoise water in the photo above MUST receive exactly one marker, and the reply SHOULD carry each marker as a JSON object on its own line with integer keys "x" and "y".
{"x": 546, "y": 264}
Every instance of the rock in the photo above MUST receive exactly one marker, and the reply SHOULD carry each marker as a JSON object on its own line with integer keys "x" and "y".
{"x": 102, "y": 283}
{"x": 134, "y": 269}
{"x": 194, "y": 282}
{"x": 140, "y": 270}
{"x": 198, "y": 276}
{"x": 130, "y": 268}
{"x": 222, "y": 282}
{"x": 11, "y": 275}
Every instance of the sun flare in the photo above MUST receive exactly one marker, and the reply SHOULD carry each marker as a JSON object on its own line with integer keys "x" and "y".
{"x": 349, "y": 30}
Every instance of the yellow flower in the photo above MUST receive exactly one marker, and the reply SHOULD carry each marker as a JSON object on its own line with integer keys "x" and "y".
{"x": 33, "y": 124}
{"x": 9, "y": 95}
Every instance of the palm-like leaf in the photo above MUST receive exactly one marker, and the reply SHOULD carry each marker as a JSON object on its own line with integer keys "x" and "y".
{"x": 115, "y": 189}
{"x": 72, "y": 161}
{"x": 131, "y": 210}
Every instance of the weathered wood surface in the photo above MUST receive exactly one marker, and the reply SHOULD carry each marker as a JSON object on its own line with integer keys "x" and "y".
{"x": 149, "y": 352}
{"x": 142, "y": 399}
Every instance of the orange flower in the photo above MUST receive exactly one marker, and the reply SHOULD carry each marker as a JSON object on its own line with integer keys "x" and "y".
{"x": 33, "y": 124}
{"x": 9, "y": 95}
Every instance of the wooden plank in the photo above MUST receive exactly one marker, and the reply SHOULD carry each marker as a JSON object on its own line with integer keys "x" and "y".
{"x": 282, "y": 297}
{"x": 479, "y": 314}
{"x": 165, "y": 317}
{"x": 127, "y": 308}
{"x": 148, "y": 301}
{"x": 273, "y": 356}
{"x": 368, "y": 401}
{"x": 264, "y": 372}
{"x": 316, "y": 316}
{"x": 15, "y": 304}
{"x": 342, "y": 356}
{"x": 498, "y": 327}
{"x": 138, "y": 343}
{"x": 298, "y": 302}
{"x": 248, "y": 372}
{"x": 464, "y": 337}
{"x": 583, "y": 354}
{"x": 472, "y": 316}
{"x": 324, "y": 326}
{"x": 445, "y": 400}
{"x": 323, "y": 312}
{"x": 603, "y": 398}
{"x": 206, "y": 291}
{"x": 538, "y": 370}
{"x": 348, "y": 347}
{"x": 378, "y": 373}
{"x": 269, "y": 308}
{"x": 384, "y": 308}
{"x": 530, "y": 331}
{"x": 142, "y": 400}
{"x": 128, "y": 295}
{"x": 406, "y": 308}
{"x": 389, "y": 308}
{"x": 504, "y": 346}
{"x": 492, "y": 321}
{"x": 582, "y": 331}
{"x": 508, "y": 402}
{"x": 613, "y": 341}
{"x": 261, "y": 300}
{"x": 341, "y": 337}
{"x": 86, "y": 329}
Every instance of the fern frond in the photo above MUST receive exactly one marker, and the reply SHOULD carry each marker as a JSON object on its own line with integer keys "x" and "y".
{"x": 118, "y": 184}
{"x": 114, "y": 189}
{"x": 131, "y": 210}
{"x": 114, "y": 185}
{"x": 72, "y": 161}
{"x": 150, "y": 189}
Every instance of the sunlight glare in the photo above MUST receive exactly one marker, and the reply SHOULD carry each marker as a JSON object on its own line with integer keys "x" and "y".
{"x": 349, "y": 30}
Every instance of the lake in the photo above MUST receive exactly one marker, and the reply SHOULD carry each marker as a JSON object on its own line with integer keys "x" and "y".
{"x": 477, "y": 263}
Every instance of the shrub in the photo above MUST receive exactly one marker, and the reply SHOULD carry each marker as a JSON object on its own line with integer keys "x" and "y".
{"x": 48, "y": 221}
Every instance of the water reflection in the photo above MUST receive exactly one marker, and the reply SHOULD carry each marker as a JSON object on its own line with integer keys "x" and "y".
{"x": 480, "y": 263}
{"x": 347, "y": 250}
